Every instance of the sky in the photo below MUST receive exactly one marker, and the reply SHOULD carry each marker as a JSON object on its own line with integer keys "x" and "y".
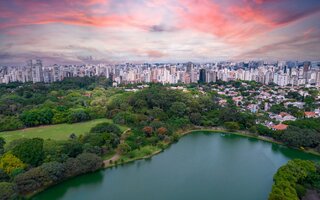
{"x": 119, "y": 31}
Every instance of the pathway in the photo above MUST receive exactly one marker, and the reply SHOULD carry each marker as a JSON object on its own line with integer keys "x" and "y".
{"x": 116, "y": 156}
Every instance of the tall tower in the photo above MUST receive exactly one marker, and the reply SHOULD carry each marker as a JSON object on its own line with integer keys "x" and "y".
{"x": 202, "y": 76}
{"x": 37, "y": 72}
{"x": 189, "y": 67}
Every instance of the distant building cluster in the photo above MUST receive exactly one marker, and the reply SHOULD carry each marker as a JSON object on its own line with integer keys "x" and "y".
{"x": 280, "y": 73}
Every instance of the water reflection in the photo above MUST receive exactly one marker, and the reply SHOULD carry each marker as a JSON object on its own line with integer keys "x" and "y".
{"x": 87, "y": 180}
{"x": 199, "y": 166}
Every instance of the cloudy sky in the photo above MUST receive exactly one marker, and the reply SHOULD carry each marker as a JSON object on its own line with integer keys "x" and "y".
{"x": 117, "y": 31}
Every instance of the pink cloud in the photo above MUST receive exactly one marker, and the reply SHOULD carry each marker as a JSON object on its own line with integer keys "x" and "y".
{"x": 237, "y": 22}
{"x": 209, "y": 17}
{"x": 155, "y": 54}
{"x": 72, "y": 12}
{"x": 62, "y": 11}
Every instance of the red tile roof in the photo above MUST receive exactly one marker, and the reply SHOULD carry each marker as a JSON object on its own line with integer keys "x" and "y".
{"x": 310, "y": 114}
{"x": 280, "y": 127}
{"x": 283, "y": 114}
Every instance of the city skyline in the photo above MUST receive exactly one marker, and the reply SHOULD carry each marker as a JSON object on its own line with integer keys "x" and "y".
{"x": 280, "y": 73}
{"x": 110, "y": 31}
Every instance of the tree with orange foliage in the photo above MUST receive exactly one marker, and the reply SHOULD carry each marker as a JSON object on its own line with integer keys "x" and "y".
{"x": 162, "y": 131}
{"x": 147, "y": 130}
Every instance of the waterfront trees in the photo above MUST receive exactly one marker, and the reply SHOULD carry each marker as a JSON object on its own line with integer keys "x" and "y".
{"x": 290, "y": 177}
{"x": 30, "y": 151}
{"x": 10, "y": 163}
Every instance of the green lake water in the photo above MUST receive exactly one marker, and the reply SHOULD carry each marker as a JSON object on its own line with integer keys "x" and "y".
{"x": 201, "y": 166}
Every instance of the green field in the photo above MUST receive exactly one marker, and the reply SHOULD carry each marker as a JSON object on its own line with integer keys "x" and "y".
{"x": 56, "y": 132}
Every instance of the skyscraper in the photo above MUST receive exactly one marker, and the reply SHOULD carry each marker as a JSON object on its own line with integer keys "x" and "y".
{"x": 37, "y": 73}
{"x": 202, "y": 77}
{"x": 189, "y": 67}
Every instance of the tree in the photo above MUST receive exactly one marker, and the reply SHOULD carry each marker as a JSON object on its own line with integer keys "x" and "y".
{"x": 8, "y": 191}
{"x": 287, "y": 177}
{"x": 89, "y": 162}
{"x": 53, "y": 151}
{"x": 55, "y": 170}
{"x": 78, "y": 115}
{"x": 158, "y": 113}
{"x": 72, "y": 148}
{"x": 162, "y": 131}
{"x": 232, "y": 126}
{"x": 106, "y": 128}
{"x": 94, "y": 139}
{"x": 124, "y": 148}
{"x": 8, "y": 123}
{"x": 277, "y": 108}
{"x": 294, "y": 95}
{"x": 72, "y": 167}
{"x": 195, "y": 118}
{"x": 178, "y": 109}
{"x": 30, "y": 151}
{"x": 263, "y": 130}
{"x": 32, "y": 180}
{"x": 83, "y": 163}
{"x": 310, "y": 102}
{"x": 125, "y": 118}
{"x": 295, "y": 111}
{"x": 36, "y": 117}
{"x": 72, "y": 136}
{"x": 9, "y": 163}
{"x": 297, "y": 137}
{"x": 148, "y": 130}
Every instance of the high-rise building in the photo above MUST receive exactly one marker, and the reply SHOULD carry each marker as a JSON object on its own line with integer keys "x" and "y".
{"x": 202, "y": 76}
{"x": 189, "y": 67}
{"x": 36, "y": 68}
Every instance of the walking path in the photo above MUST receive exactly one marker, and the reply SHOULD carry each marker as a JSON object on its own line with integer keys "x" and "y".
{"x": 116, "y": 156}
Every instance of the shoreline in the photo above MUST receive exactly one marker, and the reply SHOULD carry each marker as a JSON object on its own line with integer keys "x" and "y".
{"x": 117, "y": 162}
{"x": 212, "y": 130}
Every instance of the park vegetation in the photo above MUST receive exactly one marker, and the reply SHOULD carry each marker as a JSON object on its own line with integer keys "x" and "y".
{"x": 293, "y": 179}
{"x": 155, "y": 116}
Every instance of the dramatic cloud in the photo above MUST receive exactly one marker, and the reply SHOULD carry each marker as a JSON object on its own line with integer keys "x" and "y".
{"x": 158, "y": 30}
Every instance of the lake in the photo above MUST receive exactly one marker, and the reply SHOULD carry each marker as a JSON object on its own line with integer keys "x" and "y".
{"x": 202, "y": 166}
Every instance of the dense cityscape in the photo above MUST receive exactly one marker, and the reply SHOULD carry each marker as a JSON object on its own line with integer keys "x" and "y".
{"x": 280, "y": 73}
{"x": 160, "y": 99}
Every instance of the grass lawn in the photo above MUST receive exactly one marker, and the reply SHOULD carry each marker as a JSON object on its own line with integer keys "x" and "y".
{"x": 56, "y": 132}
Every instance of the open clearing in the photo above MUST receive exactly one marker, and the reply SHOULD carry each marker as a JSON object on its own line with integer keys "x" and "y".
{"x": 56, "y": 132}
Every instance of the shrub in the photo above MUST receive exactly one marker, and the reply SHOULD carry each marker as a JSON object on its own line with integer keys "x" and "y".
{"x": 10, "y": 123}
{"x": 232, "y": 126}
{"x": 78, "y": 115}
{"x": 106, "y": 128}
{"x": 32, "y": 180}
{"x": 7, "y": 191}
{"x": 124, "y": 148}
